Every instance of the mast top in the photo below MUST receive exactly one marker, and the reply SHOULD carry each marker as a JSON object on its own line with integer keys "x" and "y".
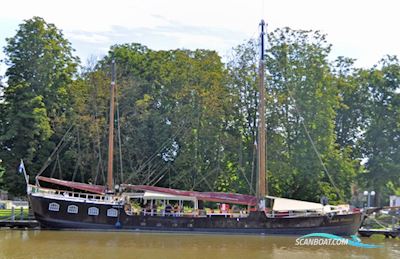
{"x": 262, "y": 34}
{"x": 113, "y": 71}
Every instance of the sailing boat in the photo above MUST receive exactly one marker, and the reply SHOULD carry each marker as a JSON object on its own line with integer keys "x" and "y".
{"x": 149, "y": 208}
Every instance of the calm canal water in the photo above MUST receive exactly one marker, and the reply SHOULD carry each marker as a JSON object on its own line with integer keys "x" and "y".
{"x": 79, "y": 244}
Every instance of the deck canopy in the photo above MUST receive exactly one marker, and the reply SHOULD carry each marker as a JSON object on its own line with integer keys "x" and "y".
{"x": 284, "y": 204}
{"x": 98, "y": 189}
{"x": 233, "y": 198}
{"x": 149, "y": 195}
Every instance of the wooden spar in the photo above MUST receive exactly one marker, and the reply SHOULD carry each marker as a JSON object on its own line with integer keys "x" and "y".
{"x": 110, "y": 183}
{"x": 262, "y": 186}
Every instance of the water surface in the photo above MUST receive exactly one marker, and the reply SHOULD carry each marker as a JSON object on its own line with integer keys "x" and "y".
{"x": 81, "y": 244}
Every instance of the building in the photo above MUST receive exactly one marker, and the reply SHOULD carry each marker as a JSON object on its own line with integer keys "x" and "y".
{"x": 394, "y": 201}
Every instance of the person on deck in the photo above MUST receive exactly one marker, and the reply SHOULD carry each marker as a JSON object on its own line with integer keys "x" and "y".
{"x": 177, "y": 209}
{"x": 168, "y": 209}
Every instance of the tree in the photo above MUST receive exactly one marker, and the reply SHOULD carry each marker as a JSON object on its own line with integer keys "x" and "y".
{"x": 381, "y": 142}
{"x": 36, "y": 99}
{"x": 243, "y": 87}
{"x": 301, "y": 101}
{"x": 351, "y": 115}
{"x": 172, "y": 115}
{"x": 2, "y": 171}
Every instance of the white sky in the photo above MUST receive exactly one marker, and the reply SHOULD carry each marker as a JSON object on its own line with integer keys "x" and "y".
{"x": 365, "y": 30}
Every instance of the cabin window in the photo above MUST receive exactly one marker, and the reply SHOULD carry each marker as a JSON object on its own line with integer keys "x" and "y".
{"x": 112, "y": 213}
{"x": 72, "y": 209}
{"x": 93, "y": 211}
{"x": 54, "y": 206}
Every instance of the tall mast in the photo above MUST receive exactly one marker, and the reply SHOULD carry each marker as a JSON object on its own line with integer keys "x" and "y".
{"x": 110, "y": 183}
{"x": 262, "y": 153}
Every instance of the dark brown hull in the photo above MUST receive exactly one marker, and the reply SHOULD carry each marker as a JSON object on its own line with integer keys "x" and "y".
{"x": 255, "y": 223}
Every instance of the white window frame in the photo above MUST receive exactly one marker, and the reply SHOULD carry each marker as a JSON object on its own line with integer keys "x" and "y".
{"x": 93, "y": 211}
{"x": 53, "y": 206}
{"x": 72, "y": 209}
{"x": 112, "y": 213}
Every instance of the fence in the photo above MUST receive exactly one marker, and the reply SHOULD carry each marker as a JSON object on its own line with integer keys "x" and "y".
{"x": 14, "y": 214}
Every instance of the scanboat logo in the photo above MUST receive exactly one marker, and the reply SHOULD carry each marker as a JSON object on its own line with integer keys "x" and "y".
{"x": 320, "y": 239}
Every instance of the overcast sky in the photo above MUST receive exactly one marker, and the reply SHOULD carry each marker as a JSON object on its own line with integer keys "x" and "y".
{"x": 365, "y": 30}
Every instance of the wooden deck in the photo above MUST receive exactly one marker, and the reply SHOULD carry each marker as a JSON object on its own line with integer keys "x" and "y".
{"x": 19, "y": 224}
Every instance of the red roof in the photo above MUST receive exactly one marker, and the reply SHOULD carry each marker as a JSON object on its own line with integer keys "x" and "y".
{"x": 222, "y": 197}
{"x": 99, "y": 189}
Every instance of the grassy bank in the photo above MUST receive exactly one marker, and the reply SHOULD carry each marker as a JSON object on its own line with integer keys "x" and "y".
{"x": 7, "y": 213}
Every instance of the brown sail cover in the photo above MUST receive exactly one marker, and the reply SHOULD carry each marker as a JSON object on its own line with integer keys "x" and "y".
{"x": 99, "y": 189}
{"x": 234, "y": 198}
{"x": 205, "y": 196}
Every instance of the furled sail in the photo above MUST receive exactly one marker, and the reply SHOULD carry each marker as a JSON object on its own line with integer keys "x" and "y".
{"x": 99, "y": 189}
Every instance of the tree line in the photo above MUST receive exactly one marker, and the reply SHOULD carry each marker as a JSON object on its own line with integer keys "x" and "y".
{"x": 187, "y": 120}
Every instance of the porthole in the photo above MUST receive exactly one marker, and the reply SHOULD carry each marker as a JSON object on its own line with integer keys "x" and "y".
{"x": 54, "y": 206}
{"x": 112, "y": 213}
{"x": 73, "y": 209}
{"x": 93, "y": 211}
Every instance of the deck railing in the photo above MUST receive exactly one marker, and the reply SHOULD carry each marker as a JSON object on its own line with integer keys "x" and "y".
{"x": 72, "y": 194}
{"x": 193, "y": 213}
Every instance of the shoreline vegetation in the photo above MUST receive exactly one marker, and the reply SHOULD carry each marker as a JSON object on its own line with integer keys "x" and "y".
{"x": 188, "y": 121}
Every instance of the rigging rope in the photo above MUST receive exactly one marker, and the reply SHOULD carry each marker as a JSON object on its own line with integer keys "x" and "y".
{"x": 100, "y": 168}
{"x": 204, "y": 178}
{"x": 119, "y": 139}
{"x": 155, "y": 154}
{"x": 49, "y": 160}
{"x": 380, "y": 224}
{"x": 253, "y": 168}
{"x": 313, "y": 145}
{"x": 79, "y": 157}
{"x": 159, "y": 176}
{"x": 155, "y": 168}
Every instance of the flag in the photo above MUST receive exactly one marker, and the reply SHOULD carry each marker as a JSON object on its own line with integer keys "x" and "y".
{"x": 21, "y": 168}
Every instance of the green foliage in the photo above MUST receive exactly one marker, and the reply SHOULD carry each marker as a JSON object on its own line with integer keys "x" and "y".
{"x": 304, "y": 99}
{"x": 351, "y": 115}
{"x": 174, "y": 102}
{"x": 381, "y": 141}
{"x": 2, "y": 171}
{"x": 36, "y": 98}
{"x": 301, "y": 95}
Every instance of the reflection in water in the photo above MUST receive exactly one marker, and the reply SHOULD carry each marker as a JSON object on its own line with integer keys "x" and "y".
{"x": 80, "y": 244}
